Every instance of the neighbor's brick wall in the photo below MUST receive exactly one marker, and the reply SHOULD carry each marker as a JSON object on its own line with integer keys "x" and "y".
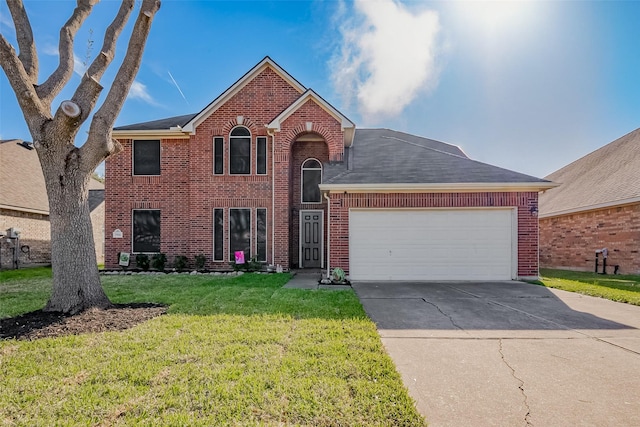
{"x": 35, "y": 233}
{"x": 97, "y": 222}
{"x": 570, "y": 241}
{"x": 524, "y": 201}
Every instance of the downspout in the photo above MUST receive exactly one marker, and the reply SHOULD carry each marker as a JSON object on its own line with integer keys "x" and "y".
{"x": 328, "y": 233}
{"x": 272, "y": 134}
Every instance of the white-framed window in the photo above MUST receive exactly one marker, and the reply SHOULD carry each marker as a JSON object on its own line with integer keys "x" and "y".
{"x": 261, "y": 234}
{"x": 146, "y": 157}
{"x": 261, "y": 155}
{"x": 240, "y": 232}
{"x": 311, "y": 178}
{"x": 218, "y": 155}
{"x": 240, "y": 151}
{"x": 145, "y": 224}
{"x": 218, "y": 234}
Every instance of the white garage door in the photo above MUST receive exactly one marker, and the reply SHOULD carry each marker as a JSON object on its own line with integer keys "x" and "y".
{"x": 456, "y": 244}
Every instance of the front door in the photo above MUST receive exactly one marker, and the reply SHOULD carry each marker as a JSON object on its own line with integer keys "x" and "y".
{"x": 311, "y": 233}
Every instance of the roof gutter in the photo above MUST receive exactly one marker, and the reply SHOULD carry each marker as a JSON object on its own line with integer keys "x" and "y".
{"x": 174, "y": 133}
{"x": 464, "y": 187}
{"x": 22, "y": 209}
{"x": 598, "y": 206}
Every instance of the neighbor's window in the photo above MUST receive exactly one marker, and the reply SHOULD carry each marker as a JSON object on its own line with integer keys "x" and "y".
{"x": 240, "y": 151}
{"x": 261, "y": 234}
{"x": 218, "y": 155}
{"x": 146, "y": 230}
{"x": 261, "y": 157}
{"x": 240, "y": 232}
{"x": 311, "y": 178}
{"x": 218, "y": 234}
{"x": 146, "y": 157}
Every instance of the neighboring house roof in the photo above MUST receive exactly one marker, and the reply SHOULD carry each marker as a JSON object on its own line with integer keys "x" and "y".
{"x": 606, "y": 177}
{"x": 22, "y": 186}
{"x": 96, "y": 194}
{"x": 382, "y": 159}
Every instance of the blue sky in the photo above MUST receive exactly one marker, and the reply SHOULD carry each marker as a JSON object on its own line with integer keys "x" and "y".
{"x": 528, "y": 86}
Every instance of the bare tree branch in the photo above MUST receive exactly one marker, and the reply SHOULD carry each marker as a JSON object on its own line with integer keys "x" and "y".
{"x": 89, "y": 89}
{"x": 28, "y": 55}
{"x": 61, "y": 76}
{"x": 20, "y": 82}
{"x": 99, "y": 144}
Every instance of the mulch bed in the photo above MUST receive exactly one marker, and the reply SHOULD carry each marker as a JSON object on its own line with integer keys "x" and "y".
{"x": 40, "y": 324}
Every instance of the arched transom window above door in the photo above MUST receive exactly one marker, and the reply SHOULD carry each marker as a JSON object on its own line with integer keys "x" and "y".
{"x": 311, "y": 179}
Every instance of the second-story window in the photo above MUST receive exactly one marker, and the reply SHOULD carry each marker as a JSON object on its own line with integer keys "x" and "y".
{"x": 218, "y": 155}
{"x": 146, "y": 157}
{"x": 311, "y": 178}
{"x": 240, "y": 151}
{"x": 261, "y": 155}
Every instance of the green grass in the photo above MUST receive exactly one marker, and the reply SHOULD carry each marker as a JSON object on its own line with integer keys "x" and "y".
{"x": 621, "y": 288}
{"x": 235, "y": 351}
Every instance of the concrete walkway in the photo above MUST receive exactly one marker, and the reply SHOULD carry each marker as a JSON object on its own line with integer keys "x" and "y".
{"x": 510, "y": 353}
{"x": 303, "y": 279}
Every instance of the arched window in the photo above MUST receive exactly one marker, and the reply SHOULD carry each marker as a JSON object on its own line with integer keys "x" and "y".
{"x": 311, "y": 178}
{"x": 240, "y": 151}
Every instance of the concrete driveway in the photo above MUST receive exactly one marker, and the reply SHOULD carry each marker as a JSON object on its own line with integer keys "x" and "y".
{"x": 510, "y": 353}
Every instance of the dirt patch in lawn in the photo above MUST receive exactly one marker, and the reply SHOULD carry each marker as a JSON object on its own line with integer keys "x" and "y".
{"x": 40, "y": 324}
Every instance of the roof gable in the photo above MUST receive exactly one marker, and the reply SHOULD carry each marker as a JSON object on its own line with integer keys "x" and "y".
{"x": 347, "y": 125}
{"x": 605, "y": 177}
{"x": 237, "y": 87}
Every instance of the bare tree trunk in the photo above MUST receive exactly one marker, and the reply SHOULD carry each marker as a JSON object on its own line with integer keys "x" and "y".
{"x": 76, "y": 282}
{"x": 67, "y": 169}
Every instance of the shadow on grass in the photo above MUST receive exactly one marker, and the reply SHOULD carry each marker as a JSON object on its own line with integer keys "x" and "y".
{"x": 137, "y": 298}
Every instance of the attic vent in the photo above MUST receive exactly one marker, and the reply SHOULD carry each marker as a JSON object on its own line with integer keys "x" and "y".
{"x": 27, "y": 145}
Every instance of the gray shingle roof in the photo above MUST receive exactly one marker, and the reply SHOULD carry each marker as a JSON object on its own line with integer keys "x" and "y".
{"x": 605, "y": 176}
{"x": 382, "y": 156}
{"x": 162, "y": 124}
{"x": 22, "y": 185}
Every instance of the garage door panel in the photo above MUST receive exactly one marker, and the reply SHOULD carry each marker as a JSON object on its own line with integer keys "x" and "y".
{"x": 464, "y": 244}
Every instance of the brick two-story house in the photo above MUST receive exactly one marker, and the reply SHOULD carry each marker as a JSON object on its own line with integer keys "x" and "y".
{"x": 270, "y": 168}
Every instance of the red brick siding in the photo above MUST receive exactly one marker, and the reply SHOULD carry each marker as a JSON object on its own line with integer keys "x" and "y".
{"x": 167, "y": 192}
{"x": 187, "y": 190}
{"x": 570, "y": 241}
{"x": 527, "y": 223}
{"x": 301, "y": 152}
{"x": 295, "y": 126}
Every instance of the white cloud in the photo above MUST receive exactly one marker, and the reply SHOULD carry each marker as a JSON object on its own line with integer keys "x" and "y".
{"x": 386, "y": 58}
{"x": 139, "y": 91}
{"x": 6, "y": 21}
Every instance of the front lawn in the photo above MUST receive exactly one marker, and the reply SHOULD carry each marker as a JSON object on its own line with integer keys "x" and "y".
{"x": 230, "y": 351}
{"x": 614, "y": 287}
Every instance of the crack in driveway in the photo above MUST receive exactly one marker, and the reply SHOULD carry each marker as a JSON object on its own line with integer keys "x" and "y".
{"x": 445, "y": 315}
{"x": 520, "y": 387}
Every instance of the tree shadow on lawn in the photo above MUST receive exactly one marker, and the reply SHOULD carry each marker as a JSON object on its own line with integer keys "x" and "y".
{"x": 142, "y": 300}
